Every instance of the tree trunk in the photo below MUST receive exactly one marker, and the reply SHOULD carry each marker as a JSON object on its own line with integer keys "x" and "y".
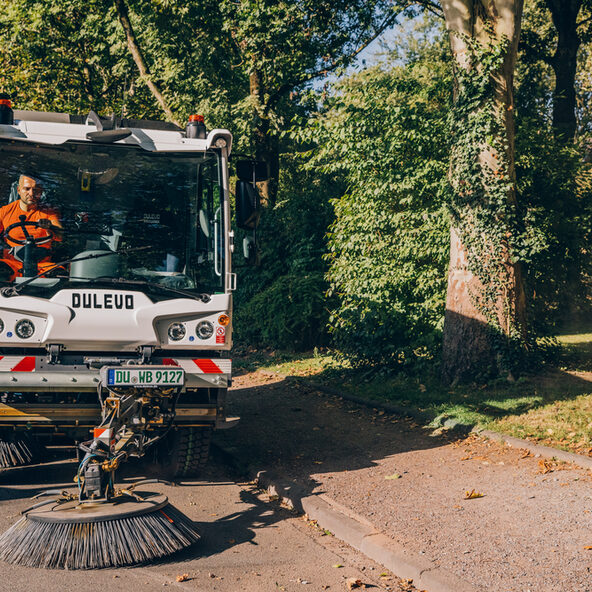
{"x": 564, "y": 63}
{"x": 266, "y": 143}
{"x": 138, "y": 57}
{"x": 473, "y": 330}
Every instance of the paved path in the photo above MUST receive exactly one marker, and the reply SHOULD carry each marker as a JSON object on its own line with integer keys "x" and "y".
{"x": 529, "y": 532}
{"x": 248, "y": 544}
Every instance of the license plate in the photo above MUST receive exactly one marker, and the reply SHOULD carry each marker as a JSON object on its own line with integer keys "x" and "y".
{"x": 144, "y": 376}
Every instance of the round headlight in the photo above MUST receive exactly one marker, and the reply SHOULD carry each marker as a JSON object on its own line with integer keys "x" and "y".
{"x": 24, "y": 329}
{"x": 177, "y": 331}
{"x": 204, "y": 329}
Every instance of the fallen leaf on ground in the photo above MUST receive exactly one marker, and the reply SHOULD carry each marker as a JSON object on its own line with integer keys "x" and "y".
{"x": 545, "y": 466}
{"x": 354, "y": 583}
{"x": 588, "y": 548}
{"x": 393, "y": 476}
{"x": 466, "y": 457}
{"x": 183, "y": 578}
{"x": 473, "y": 494}
{"x": 526, "y": 453}
{"x": 338, "y": 565}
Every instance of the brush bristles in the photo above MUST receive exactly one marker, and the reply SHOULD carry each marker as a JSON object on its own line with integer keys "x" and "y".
{"x": 95, "y": 545}
{"x": 15, "y": 452}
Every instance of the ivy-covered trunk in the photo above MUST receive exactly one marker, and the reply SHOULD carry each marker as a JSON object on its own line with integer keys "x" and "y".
{"x": 485, "y": 308}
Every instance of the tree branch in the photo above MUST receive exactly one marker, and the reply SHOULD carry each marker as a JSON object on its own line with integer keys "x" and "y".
{"x": 433, "y": 7}
{"x": 138, "y": 57}
{"x": 287, "y": 86}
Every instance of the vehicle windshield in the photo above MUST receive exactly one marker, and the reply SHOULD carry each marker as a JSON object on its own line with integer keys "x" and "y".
{"x": 162, "y": 212}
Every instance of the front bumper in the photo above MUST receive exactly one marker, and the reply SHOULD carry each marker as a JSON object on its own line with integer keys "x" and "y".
{"x": 36, "y": 374}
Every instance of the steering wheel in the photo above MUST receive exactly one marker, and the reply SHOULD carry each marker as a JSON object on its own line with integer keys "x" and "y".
{"x": 32, "y": 240}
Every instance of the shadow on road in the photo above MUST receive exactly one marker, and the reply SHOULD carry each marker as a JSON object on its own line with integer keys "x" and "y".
{"x": 292, "y": 429}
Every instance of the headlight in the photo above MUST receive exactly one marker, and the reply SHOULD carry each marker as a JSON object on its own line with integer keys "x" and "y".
{"x": 204, "y": 329}
{"x": 177, "y": 331}
{"x": 24, "y": 329}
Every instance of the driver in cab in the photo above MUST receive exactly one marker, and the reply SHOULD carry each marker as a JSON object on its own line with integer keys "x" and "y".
{"x": 44, "y": 226}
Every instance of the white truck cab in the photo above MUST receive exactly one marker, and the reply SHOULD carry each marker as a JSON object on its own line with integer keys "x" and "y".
{"x": 134, "y": 291}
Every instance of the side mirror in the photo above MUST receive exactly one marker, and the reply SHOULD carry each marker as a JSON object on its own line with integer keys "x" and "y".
{"x": 247, "y": 205}
{"x": 253, "y": 171}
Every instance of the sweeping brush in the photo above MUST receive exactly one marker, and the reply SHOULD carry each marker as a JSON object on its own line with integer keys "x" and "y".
{"x": 71, "y": 535}
{"x": 17, "y": 450}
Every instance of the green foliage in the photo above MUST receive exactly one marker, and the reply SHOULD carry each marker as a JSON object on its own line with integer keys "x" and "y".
{"x": 555, "y": 189}
{"x": 291, "y": 266}
{"x": 63, "y": 56}
{"x": 358, "y": 237}
{"x": 290, "y": 313}
{"x": 554, "y": 183}
{"x": 385, "y": 131}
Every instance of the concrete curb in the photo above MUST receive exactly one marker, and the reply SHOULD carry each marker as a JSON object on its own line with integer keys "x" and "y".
{"x": 361, "y": 535}
{"x": 347, "y": 526}
{"x": 537, "y": 449}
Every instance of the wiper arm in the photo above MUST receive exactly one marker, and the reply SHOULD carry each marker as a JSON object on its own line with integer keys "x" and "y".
{"x": 205, "y": 298}
{"x": 8, "y": 291}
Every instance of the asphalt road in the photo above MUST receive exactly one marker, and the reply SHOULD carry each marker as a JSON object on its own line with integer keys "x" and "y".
{"x": 248, "y": 543}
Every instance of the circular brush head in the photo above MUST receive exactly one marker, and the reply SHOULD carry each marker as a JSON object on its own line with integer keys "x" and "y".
{"x": 17, "y": 450}
{"x": 92, "y": 536}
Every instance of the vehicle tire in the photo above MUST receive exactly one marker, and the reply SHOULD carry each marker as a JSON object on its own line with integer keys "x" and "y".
{"x": 185, "y": 451}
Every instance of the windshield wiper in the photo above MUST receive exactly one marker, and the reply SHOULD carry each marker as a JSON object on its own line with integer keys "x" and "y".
{"x": 8, "y": 291}
{"x": 205, "y": 298}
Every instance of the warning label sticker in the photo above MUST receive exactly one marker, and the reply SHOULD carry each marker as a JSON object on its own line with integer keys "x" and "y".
{"x": 220, "y": 335}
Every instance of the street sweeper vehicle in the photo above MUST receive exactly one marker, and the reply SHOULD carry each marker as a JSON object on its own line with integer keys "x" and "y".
{"x": 115, "y": 319}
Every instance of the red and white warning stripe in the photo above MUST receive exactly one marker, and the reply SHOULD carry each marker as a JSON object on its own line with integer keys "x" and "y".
{"x": 17, "y": 363}
{"x": 191, "y": 366}
{"x": 201, "y": 365}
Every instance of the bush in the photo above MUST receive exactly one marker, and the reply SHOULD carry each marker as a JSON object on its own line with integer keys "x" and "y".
{"x": 289, "y": 314}
{"x": 384, "y": 130}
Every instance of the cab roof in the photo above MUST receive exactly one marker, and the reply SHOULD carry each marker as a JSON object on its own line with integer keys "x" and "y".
{"x": 154, "y": 136}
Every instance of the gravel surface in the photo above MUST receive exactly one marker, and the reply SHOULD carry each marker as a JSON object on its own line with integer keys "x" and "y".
{"x": 527, "y": 533}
